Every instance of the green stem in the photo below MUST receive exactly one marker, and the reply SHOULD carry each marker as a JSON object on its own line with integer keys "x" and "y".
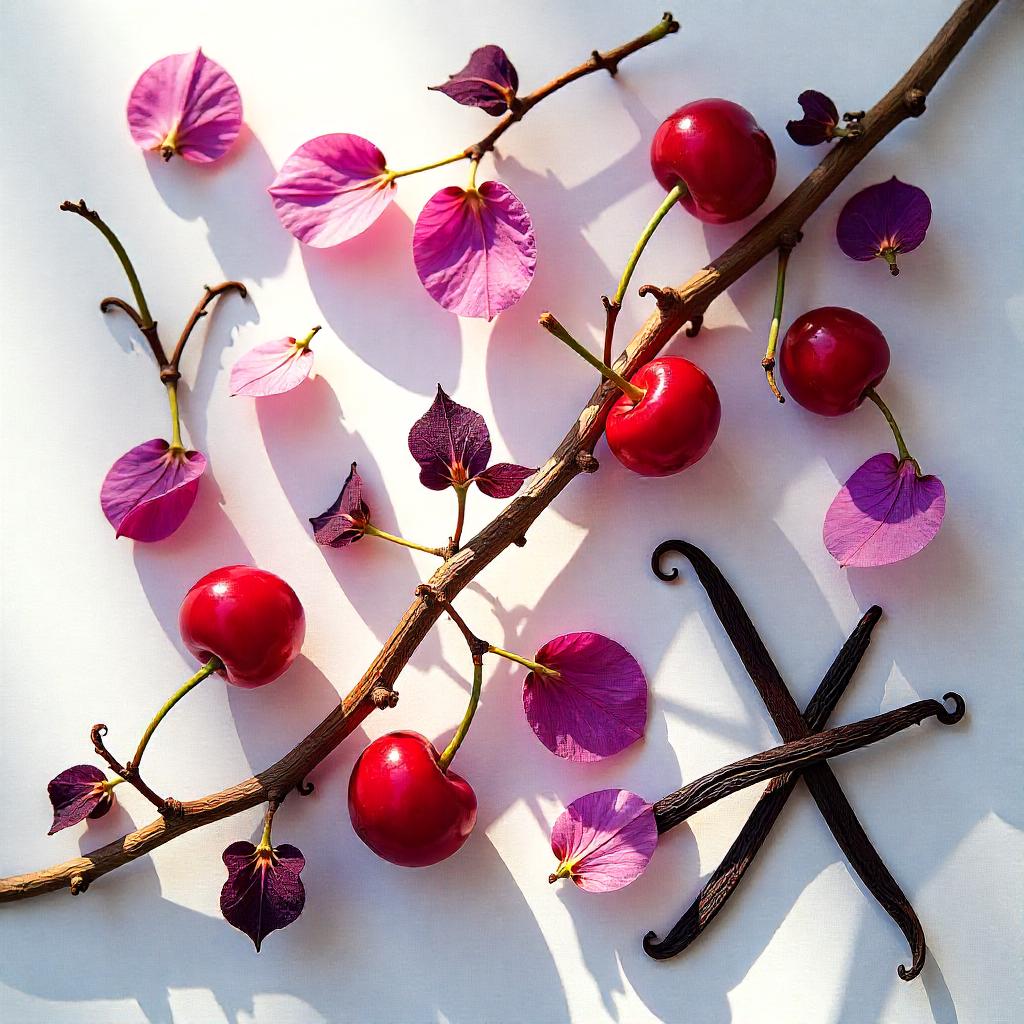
{"x": 773, "y": 333}
{"x": 268, "y": 821}
{"x": 905, "y": 455}
{"x": 670, "y": 200}
{"x": 172, "y": 400}
{"x": 552, "y": 326}
{"x": 111, "y": 783}
{"x": 300, "y": 345}
{"x": 213, "y": 665}
{"x": 533, "y": 666}
{"x": 460, "y": 734}
{"x": 474, "y": 164}
{"x": 460, "y": 521}
{"x": 392, "y": 175}
{"x": 372, "y": 531}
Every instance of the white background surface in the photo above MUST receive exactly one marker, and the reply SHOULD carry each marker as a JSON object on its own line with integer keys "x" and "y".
{"x": 89, "y": 623}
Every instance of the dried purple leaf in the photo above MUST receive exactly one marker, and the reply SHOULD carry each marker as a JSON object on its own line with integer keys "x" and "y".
{"x": 78, "y": 793}
{"x": 884, "y": 221}
{"x": 604, "y": 840}
{"x": 489, "y": 81}
{"x": 503, "y": 479}
{"x": 819, "y": 120}
{"x": 346, "y": 520}
{"x": 263, "y": 891}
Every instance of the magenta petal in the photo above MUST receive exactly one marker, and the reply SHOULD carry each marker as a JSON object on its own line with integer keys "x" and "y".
{"x": 889, "y": 216}
{"x": 595, "y": 707}
{"x": 149, "y": 491}
{"x": 884, "y": 513}
{"x": 604, "y": 840}
{"x": 346, "y": 520}
{"x": 186, "y": 104}
{"x": 263, "y": 891}
{"x": 475, "y": 252}
{"x": 331, "y": 189}
{"x": 271, "y": 368}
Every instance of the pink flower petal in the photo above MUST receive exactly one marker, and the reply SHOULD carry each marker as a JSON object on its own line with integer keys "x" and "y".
{"x": 475, "y": 252}
{"x": 604, "y": 840}
{"x": 186, "y": 104}
{"x": 884, "y": 513}
{"x": 595, "y": 707}
{"x": 149, "y": 491}
{"x": 271, "y": 368}
{"x": 331, "y": 189}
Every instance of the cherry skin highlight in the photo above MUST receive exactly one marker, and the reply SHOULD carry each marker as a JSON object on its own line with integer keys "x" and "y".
{"x": 250, "y": 619}
{"x": 404, "y": 807}
{"x": 716, "y": 148}
{"x": 830, "y": 357}
{"x": 672, "y": 426}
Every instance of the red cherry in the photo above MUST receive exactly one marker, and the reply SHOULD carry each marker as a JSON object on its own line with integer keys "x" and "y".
{"x": 404, "y": 807}
{"x": 250, "y": 619}
{"x": 672, "y": 426}
{"x": 830, "y": 357}
{"x": 717, "y": 150}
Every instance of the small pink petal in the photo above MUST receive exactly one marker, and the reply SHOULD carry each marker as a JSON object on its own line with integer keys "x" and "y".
{"x": 475, "y": 252}
{"x": 186, "y": 104}
{"x": 331, "y": 189}
{"x": 884, "y": 513}
{"x": 604, "y": 840}
{"x": 595, "y": 707}
{"x": 271, "y": 368}
{"x": 149, "y": 491}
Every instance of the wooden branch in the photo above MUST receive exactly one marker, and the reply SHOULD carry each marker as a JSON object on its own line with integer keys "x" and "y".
{"x": 676, "y": 306}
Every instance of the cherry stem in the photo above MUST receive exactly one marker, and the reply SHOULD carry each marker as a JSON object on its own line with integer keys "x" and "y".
{"x": 905, "y": 455}
{"x": 613, "y": 305}
{"x": 460, "y": 520}
{"x": 533, "y": 666}
{"x": 392, "y": 175}
{"x": 473, "y": 165}
{"x": 213, "y": 665}
{"x": 268, "y": 821}
{"x": 552, "y": 326}
{"x": 372, "y": 531}
{"x": 773, "y": 333}
{"x": 172, "y": 401}
{"x": 304, "y": 343}
{"x": 474, "y": 699}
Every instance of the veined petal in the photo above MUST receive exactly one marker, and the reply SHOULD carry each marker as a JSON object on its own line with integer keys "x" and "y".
{"x": 76, "y": 794}
{"x": 263, "y": 891}
{"x": 884, "y": 220}
{"x": 345, "y": 521}
{"x": 450, "y": 442}
{"x": 271, "y": 368}
{"x": 488, "y": 81}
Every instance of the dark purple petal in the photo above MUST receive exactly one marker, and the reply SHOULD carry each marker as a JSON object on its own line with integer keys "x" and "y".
{"x": 604, "y": 840}
{"x": 344, "y": 522}
{"x": 503, "y": 479}
{"x": 149, "y": 491}
{"x": 595, "y": 706}
{"x": 76, "y": 794}
{"x": 450, "y": 442}
{"x": 820, "y": 117}
{"x": 475, "y": 251}
{"x": 489, "y": 81}
{"x": 263, "y": 891}
{"x": 884, "y": 513}
{"x": 884, "y": 220}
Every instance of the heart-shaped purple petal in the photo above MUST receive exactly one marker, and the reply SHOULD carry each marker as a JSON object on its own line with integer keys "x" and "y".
{"x": 76, "y": 794}
{"x": 595, "y": 706}
{"x": 503, "y": 479}
{"x": 884, "y": 220}
{"x": 263, "y": 891}
{"x": 475, "y": 251}
{"x": 345, "y": 521}
{"x": 450, "y": 442}
{"x": 884, "y": 513}
{"x": 186, "y": 104}
{"x": 604, "y": 840}
{"x": 271, "y": 368}
{"x": 149, "y": 491}
{"x": 820, "y": 117}
{"x": 331, "y": 189}
{"x": 489, "y": 81}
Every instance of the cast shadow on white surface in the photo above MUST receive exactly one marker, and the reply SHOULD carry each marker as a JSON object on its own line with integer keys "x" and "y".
{"x": 371, "y": 297}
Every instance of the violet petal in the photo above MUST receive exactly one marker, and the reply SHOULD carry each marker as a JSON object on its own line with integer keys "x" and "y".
{"x": 263, "y": 891}
{"x": 149, "y": 491}
{"x": 595, "y": 707}
{"x": 489, "y": 81}
{"x": 604, "y": 840}
{"x": 186, "y": 104}
{"x": 76, "y": 794}
{"x": 271, "y": 368}
{"x": 450, "y": 442}
{"x": 331, "y": 189}
{"x": 344, "y": 522}
{"x": 503, "y": 479}
{"x": 888, "y": 217}
{"x": 820, "y": 117}
{"x": 884, "y": 513}
{"x": 475, "y": 251}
